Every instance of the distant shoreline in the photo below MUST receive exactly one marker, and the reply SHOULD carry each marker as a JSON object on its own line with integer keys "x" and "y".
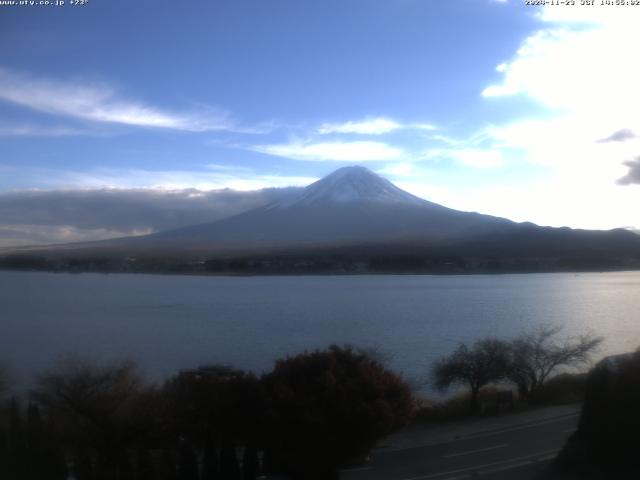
{"x": 316, "y": 274}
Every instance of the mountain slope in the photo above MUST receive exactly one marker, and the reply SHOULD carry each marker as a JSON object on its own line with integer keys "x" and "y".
{"x": 351, "y": 205}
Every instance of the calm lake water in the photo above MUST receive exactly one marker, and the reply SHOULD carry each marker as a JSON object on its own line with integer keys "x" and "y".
{"x": 173, "y": 322}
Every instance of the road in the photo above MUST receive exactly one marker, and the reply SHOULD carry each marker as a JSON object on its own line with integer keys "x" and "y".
{"x": 518, "y": 451}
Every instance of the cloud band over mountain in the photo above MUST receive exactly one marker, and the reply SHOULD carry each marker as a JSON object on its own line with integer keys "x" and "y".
{"x": 39, "y": 217}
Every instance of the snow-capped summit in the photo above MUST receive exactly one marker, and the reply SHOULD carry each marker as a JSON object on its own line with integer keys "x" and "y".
{"x": 355, "y": 184}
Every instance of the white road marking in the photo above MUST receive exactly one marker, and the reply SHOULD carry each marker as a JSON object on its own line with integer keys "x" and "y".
{"x": 493, "y": 466}
{"x": 478, "y": 435}
{"x": 471, "y": 452}
{"x": 356, "y": 469}
{"x": 515, "y": 465}
{"x": 520, "y": 427}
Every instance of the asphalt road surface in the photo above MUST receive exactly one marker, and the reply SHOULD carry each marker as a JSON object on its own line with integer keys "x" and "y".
{"x": 518, "y": 451}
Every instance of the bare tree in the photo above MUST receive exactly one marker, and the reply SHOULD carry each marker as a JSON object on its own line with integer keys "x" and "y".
{"x": 103, "y": 407}
{"x": 486, "y": 361}
{"x": 537, "y": 354}
{"x": 88, "y": 389}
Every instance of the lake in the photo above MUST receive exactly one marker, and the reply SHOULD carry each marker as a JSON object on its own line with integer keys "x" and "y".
{"x": 171, "y": 322}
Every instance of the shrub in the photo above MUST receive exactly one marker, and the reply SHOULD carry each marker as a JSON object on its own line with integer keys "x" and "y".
{"x": 330, "y": 407}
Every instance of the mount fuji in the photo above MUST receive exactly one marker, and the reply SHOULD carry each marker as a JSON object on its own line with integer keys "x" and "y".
{"x": 363, "y": 219}
{"x": 352, "y": 205}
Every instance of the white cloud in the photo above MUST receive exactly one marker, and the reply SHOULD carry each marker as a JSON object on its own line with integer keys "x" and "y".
{"x": 100, "y": 103}
{"x": 398, "y": 169}
{"x": 423, "y": 126}
{"x": 577, "y": 68}
{"x": 545, "y": 202}
{"x": 38, "y": 130}
{"x": 178, "y": 179}
{"x": 213, "y": 178}
{"x": 464, "y": 153}
{"x": 332, "y": 151}
{"x": 479, "y": 158}
{"x": 372, "y": 126}
{"x": 446, "y": 139}
{"x": 229, "y": 168}
{"x": 580, "y": 67}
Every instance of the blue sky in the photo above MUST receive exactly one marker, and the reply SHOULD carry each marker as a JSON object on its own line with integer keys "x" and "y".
{"x": 523, "y": 112}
